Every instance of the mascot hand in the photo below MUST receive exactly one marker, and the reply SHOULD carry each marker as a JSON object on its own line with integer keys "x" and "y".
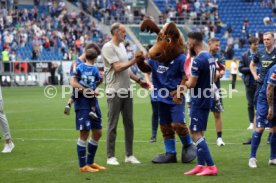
{"x": 139, "y": 56}
{"x": 176, "y": 97}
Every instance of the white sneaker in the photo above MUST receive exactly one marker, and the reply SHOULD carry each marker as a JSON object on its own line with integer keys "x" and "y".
{"x": 251, "y": 126}
{"x": 132, "y": 159}
{"x": 112, "y": 161}
{"x": 252, "y": 163}
{"x": 272, "y": 162}
{"x": 8, "y": 147}
{"x": 220, "y": 142}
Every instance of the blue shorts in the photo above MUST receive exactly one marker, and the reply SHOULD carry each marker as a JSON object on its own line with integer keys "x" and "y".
{"x": 171, "y": 113}
{"x": 85, "y": 122}
{"x": 261, "y": 120}
{"x": 199, "y": 119}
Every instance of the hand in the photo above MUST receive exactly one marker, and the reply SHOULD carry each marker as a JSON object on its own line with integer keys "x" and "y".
{"x": 270, "y": 113}
{"x": 257, "y": 77}
{"x": 151, "y": 87}
{"x": 177, "y": 100}
{"x": 221, "y": 73}
{"x": 139, "y": 56}
{"x": 144, "y": 84}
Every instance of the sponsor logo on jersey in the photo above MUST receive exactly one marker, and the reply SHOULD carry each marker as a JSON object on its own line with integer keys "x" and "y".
{"x": 161, "y": 69}
{"x": 266, "y": 63}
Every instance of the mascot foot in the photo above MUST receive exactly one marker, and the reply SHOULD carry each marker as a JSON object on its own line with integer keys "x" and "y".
{"x": 165, "y": 158}
{"x": 188, "y": 153}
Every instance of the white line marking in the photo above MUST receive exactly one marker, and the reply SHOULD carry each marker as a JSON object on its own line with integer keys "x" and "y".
{"x": 138, "y": 129}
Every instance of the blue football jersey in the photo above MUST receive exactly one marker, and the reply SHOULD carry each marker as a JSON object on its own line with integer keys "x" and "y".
{"x": 87, "y": 76}
{"x": 204, "y": 69}
{"x": 270, "y": 78}
{"x": 266, "y": 61}
{"x": 166, "y": 77}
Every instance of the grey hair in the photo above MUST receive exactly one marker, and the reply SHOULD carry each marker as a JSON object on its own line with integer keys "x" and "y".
{"x": 271, "y": 33}
{"x": 114, "y": 28}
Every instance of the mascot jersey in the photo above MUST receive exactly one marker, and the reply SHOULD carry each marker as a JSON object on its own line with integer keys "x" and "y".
{"x": 87, "y": 76}
{"x": 166, "y": 77}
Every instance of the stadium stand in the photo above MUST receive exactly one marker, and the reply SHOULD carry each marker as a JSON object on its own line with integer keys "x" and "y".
{"x": 46, "y": 33}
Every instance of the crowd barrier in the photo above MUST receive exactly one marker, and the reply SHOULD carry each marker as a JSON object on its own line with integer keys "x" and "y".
{"x": 35, "y": 73}
{"x": 39, "y": 73}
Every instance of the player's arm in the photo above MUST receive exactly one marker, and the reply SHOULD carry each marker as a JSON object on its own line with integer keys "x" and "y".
{"x": 99, "y": 78}
{"x": 253, "y": 69}
{"x": 75, "y": 84}
{"x": 191, "y": 83}
{"x": 79, "y": 88}
{"x": 121, "y": 66}
{"x": 195, "y": 72}
{"x": 147, "y": 78}
{"x": 270, "y": 100}
{"x": 253, "y": 66}
{"x": 141, "y": 82}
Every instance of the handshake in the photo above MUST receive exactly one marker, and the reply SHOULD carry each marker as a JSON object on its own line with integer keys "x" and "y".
{"x": 139, "y": 57}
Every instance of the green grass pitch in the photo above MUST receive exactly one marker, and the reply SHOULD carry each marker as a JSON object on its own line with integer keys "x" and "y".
{"x": 45, "y": 142}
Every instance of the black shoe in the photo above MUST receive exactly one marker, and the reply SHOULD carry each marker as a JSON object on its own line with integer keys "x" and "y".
{"x": 152, "y": 139}
{"x": 188, "y": 153}
{"x": 165, "y": 158}
{"x": 248, "y": 142}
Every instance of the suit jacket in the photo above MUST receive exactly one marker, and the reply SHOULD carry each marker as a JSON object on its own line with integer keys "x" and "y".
{"x": 245, "y": 70}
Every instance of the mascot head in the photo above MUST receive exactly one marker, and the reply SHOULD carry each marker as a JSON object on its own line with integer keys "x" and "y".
{"x": 169, "y": 44}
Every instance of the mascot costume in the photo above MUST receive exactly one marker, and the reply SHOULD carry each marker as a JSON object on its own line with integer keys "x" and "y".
{"x": 166, "y": 65}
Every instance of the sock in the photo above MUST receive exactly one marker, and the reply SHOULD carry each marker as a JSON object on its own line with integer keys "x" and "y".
{"x": 204, "y": 153}
{"x": 269, "y": 135}
{"x": 92, "y": 148}
{"x": 81, "y": 150}
{"x": 170, "y": 146}
{"x": 219, "y": 134}
{"x": 255, "y": 142}
{"x": 273, "y": 146}
{"x": 186, "y": 140}
{"x": 199, "y": 153}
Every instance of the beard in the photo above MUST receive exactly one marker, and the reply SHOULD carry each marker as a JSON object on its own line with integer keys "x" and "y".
{"x": 192, "y": 52}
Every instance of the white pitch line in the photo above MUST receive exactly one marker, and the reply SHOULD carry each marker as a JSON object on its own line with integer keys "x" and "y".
{"x": 121, "y": 141}
{"x": 138, "y": 129}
